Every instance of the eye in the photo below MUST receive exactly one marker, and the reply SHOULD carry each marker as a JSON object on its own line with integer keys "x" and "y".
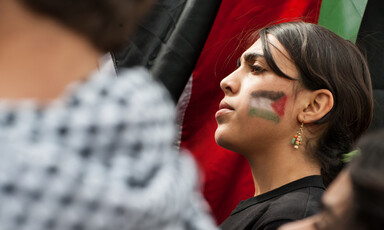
{"x": 256, "y": 69}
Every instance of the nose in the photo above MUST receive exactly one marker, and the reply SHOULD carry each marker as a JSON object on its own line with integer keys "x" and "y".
{"x": 230, "y": 84}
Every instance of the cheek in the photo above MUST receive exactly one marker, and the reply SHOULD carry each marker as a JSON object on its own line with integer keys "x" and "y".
{"x": 220, "y": 136}
{"x": 279, "y": 106}
{"x": 268, "y": 105}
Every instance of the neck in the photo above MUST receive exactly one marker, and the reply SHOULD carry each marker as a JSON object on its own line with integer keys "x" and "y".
{"x": 38, "y": 56}
{"x": 276, "y": 167}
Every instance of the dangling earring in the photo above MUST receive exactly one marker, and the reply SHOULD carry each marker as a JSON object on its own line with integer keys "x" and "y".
{"x": 297, "y": 139}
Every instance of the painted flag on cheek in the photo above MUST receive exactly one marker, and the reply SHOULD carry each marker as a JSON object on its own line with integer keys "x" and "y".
{"x": 343, "y": 17}
{"x": 268, "y": 105}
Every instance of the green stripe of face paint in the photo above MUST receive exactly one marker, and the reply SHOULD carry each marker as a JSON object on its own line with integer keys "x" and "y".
{"x": 342, "y": 17}
{"x": 265, "y": 114}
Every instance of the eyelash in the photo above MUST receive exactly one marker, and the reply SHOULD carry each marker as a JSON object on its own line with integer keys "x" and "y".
{"x": 256, "y": 69}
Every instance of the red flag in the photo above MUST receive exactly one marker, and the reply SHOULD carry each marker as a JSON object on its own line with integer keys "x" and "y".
{"x": 228, "y": 178}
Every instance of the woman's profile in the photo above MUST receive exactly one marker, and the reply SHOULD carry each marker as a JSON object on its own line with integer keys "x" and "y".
{"x": 300, "y": 98}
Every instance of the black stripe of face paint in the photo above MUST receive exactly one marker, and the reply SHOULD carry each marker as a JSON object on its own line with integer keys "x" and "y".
{"x": 268, "y": 94}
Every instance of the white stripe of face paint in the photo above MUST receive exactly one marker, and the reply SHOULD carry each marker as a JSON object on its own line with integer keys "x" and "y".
{"x": 261, "y": 103}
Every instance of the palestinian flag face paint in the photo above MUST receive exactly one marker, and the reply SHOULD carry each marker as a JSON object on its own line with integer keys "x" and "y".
{"x": 269, "y": 105}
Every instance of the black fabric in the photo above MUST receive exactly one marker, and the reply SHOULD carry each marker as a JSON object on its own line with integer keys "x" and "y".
{"x": 151, "y": 34}
{"x": 378, "y": 116}
{"x": 276, "y": 224}
{"x": 371, "y": 41}
{"x": 293, "y": 201}
{"x": 169, "y": 42}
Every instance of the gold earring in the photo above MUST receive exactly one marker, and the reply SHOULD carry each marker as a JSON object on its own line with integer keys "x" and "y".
{"x": 297, "y": 139}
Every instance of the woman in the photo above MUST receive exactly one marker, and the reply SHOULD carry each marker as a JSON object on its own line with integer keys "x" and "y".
{"x": 299, "y": 99}
{"x": 355, "y": 200}
{"x": 82, "y": 149}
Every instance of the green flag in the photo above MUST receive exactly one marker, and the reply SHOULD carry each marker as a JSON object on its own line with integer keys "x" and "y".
{"x": 343, "y": 17}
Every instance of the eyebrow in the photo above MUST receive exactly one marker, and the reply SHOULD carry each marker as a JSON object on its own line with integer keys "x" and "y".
{"x": 250, "y": 58}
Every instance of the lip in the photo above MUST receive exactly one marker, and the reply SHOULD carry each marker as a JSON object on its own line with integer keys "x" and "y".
{"x": 224, "y": 108}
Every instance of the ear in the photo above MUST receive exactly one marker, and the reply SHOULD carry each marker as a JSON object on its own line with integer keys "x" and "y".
{"x": 319, "y": 104}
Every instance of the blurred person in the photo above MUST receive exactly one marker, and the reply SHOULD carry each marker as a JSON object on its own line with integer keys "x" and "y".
{"x": 300, "y": 98}
{"x": 81, "y": 149}
{"x": 355, "y": 200}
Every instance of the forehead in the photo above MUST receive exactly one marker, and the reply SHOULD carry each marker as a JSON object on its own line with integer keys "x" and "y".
{"x": 275, "y": 46}
{"x": 278, "y": 52}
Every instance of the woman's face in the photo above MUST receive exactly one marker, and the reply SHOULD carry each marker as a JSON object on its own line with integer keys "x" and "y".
{"x": 258, "y": 109}
{"x": 335, "y": 203}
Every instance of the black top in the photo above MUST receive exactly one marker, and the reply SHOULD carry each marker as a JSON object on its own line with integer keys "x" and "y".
{"x": 293, "y": 201}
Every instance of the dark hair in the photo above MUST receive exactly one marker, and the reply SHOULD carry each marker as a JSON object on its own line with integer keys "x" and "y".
{"x": 107, "y": 24}
{"x": 326, "y": 61}
{"x": 367, "y": 176}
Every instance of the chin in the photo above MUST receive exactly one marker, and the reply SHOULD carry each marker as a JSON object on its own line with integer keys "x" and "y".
{"x": 227, "y": 142}
{"x": 219, "y": 138}
{"x": 222, "y": 141}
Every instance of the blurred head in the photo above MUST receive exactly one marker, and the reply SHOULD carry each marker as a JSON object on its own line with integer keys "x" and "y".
{"x": 298, "y": 73}
{"x": 355, "y": 200}
{"x": 107, "y": 24}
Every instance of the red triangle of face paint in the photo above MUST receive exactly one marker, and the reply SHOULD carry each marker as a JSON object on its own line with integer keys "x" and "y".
{"x": 279, "y": 106}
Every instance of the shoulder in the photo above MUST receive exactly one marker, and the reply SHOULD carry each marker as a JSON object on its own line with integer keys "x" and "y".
{"x": 293, "y": 201}
{"x": 297, "y": 204}
{"x": 294, "y": 205}
{"x": 131, "y": 105}
{"x": 145, "y": 92}
{"x": 131, "y": 84}
{"x": 133, "y": 87}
